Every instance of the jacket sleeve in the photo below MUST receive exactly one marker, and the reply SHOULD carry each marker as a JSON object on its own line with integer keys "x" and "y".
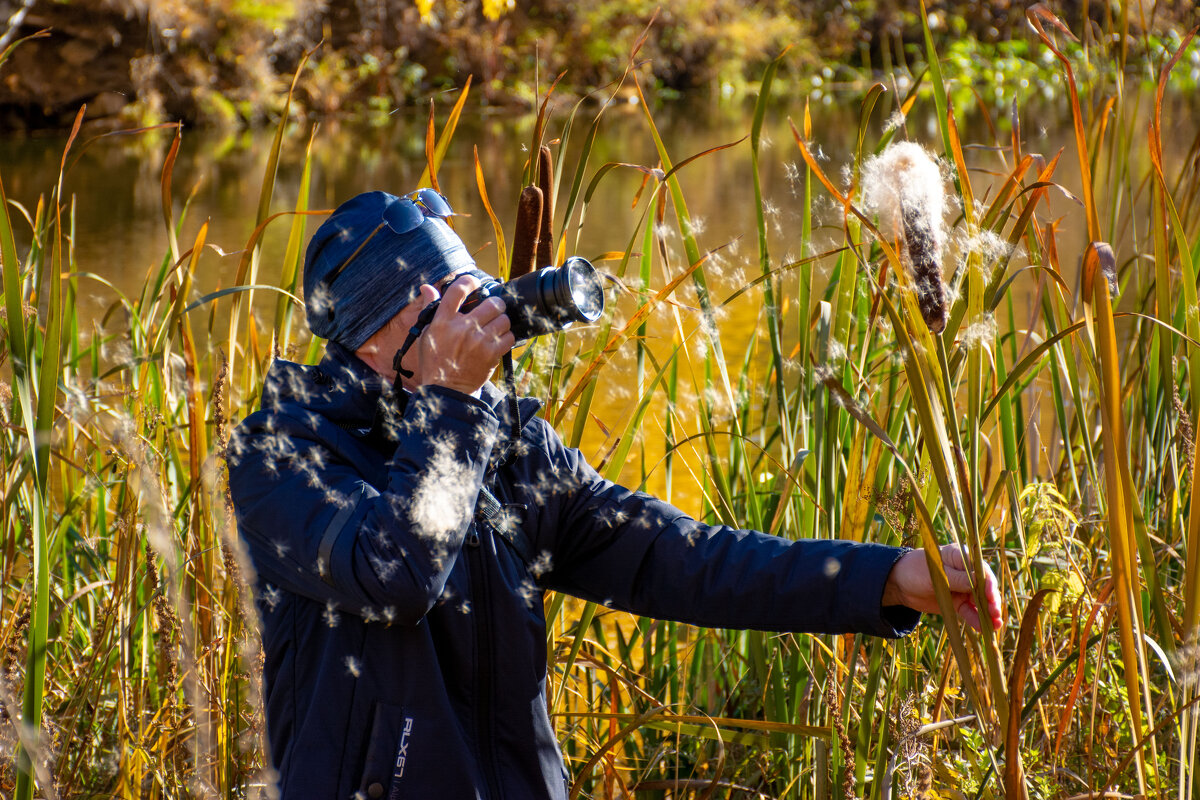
{"x": 631, "y": 551}
{"x": 316, "y": 527}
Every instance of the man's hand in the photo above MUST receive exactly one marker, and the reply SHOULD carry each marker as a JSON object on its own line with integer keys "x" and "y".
{"x": 460, "y": 351}
{"x": 910, "y": 584}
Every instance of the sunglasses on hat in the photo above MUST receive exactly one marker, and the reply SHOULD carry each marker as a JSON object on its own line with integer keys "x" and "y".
{"x": 403, "y": 216}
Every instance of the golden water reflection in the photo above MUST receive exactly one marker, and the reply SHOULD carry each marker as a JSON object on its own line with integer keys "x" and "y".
{"x": 120, "y": 235}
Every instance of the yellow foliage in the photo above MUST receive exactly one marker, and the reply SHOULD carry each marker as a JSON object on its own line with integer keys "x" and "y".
{"x": 494, "y": 9}
{"x": 1067, "y": 584}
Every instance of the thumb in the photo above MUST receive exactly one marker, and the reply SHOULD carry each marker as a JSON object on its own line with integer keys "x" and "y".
{"x": 429, "y": 293}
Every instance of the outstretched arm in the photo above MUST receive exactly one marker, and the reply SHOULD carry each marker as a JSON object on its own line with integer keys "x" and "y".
{"x": 631, "y": 551}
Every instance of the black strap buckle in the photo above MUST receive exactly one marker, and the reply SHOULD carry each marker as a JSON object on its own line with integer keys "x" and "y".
{"x": 498, "y": 517}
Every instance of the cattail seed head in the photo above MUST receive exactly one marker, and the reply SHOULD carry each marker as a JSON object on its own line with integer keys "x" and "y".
{"x": 904, "y": 188}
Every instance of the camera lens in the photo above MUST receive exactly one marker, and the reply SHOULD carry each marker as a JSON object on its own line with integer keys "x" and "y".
{"x": 552, "y": 298}
{"x": 586, "y": 292}
{"x": 547, "y": 300}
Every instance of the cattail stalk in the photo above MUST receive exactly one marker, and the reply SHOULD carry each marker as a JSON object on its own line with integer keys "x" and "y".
{"x": 525, "y": 237}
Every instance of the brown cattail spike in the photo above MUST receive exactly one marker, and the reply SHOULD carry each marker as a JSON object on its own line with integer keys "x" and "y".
{"x": 925, "y": 262}
{"x": 545, "y": 251}
{"x": 525, "y": 237}
{"x": 905, "y": 188}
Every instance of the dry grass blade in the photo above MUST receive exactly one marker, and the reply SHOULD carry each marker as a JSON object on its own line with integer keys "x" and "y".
{"x": 1098, "y": 259}
{"x": 631, "y": 325}
{"x": 545, "y": 240}
{"x": 1014, "y": 775}
{"x": 436, "y": 153}
{"x": 13, "y": 45}
{"x": 729, "y": 725}
{"x": 539, "y": 129}
{"x": 430, "y": 174}
{"x": 1006, "y": 192}
{"x": 167, "y": 204}
{"x": 1068, "y": 707}
{"x": 846, "y": 401}
{"x": 248, "y": 268}
{"x": 960, "y": 168}
{"x": 268, "y": 183}
{"x": 1037, "y": 14}
{"x": 502, "y": 265}
{"x": 671, "y": 172}
{"x": 612, "y": 742}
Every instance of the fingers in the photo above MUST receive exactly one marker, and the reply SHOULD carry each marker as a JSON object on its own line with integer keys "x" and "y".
{"x": 460, "y": 349}
{"x": 965, "y": 607}
{"x": 953, "y": 556}
{"x": 488, "y": 311}
{"x": 960, "y": 579}
{"x": 457, "y": 292}
{"x": 995, "y": 606}
{"x": 497, "y": 327}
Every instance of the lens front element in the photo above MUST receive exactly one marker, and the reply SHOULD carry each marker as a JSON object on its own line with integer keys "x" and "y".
{"x": 587, "y": 294}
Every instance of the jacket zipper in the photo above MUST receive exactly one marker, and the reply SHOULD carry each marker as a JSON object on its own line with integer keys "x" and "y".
{"x": 483, "y": 662}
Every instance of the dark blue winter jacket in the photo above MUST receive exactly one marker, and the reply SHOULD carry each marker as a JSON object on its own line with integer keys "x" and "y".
{"x": 404, "y": 638}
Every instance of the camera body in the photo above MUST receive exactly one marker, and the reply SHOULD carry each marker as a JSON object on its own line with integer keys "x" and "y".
{"x": 543, "y": 301}
{"x": 546, "y": 300}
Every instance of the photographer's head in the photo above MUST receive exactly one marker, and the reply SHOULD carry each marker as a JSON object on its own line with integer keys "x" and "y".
{"x": 369, "y": 259}
{"x": 376, "y": 263}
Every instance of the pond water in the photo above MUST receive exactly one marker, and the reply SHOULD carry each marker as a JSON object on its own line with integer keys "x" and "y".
{"x": 120, "y": 234}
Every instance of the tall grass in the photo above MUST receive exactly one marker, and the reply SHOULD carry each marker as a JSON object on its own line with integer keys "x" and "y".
{"x": 1052, "y": 438}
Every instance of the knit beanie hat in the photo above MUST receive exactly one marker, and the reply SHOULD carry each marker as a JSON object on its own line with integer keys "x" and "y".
{"x": 368, "y": 260}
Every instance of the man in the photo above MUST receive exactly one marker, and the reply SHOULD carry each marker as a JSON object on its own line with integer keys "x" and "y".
{"x": 403, "y": 543}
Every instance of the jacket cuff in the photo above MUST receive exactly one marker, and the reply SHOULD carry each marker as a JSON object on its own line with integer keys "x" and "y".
{"x": 867, "y": 612}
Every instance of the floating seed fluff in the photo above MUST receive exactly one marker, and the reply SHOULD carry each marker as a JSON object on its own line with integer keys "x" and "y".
{"x": 904, "y": 188}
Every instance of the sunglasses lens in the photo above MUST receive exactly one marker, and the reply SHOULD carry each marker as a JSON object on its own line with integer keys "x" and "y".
{"x": 403, "y": 217}
{"x": 434, "y": 204}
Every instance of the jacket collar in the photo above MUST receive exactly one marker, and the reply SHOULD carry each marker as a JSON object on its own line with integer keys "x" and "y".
{"x": 347, "y": 391}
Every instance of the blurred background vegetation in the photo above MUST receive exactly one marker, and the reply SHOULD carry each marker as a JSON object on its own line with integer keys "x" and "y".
{"x": 228, "y": 62}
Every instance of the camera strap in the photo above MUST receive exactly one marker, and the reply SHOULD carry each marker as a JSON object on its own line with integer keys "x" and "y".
{"x": 514, "y": 412}
{"x": 423, "y": 320}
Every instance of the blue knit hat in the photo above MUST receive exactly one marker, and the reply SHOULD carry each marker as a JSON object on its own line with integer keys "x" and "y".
{"x": 368, "y": 261}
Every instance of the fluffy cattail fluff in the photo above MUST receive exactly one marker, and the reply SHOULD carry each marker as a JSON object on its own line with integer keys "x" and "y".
{"x": 904, "y": 188}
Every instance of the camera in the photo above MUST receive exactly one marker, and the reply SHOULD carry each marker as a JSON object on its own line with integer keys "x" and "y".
{"x": 546, "y": 300}
{"x": 543, "y": 301}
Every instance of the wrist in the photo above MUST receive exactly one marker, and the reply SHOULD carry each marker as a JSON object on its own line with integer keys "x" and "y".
{"x": 893, "y": 594}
